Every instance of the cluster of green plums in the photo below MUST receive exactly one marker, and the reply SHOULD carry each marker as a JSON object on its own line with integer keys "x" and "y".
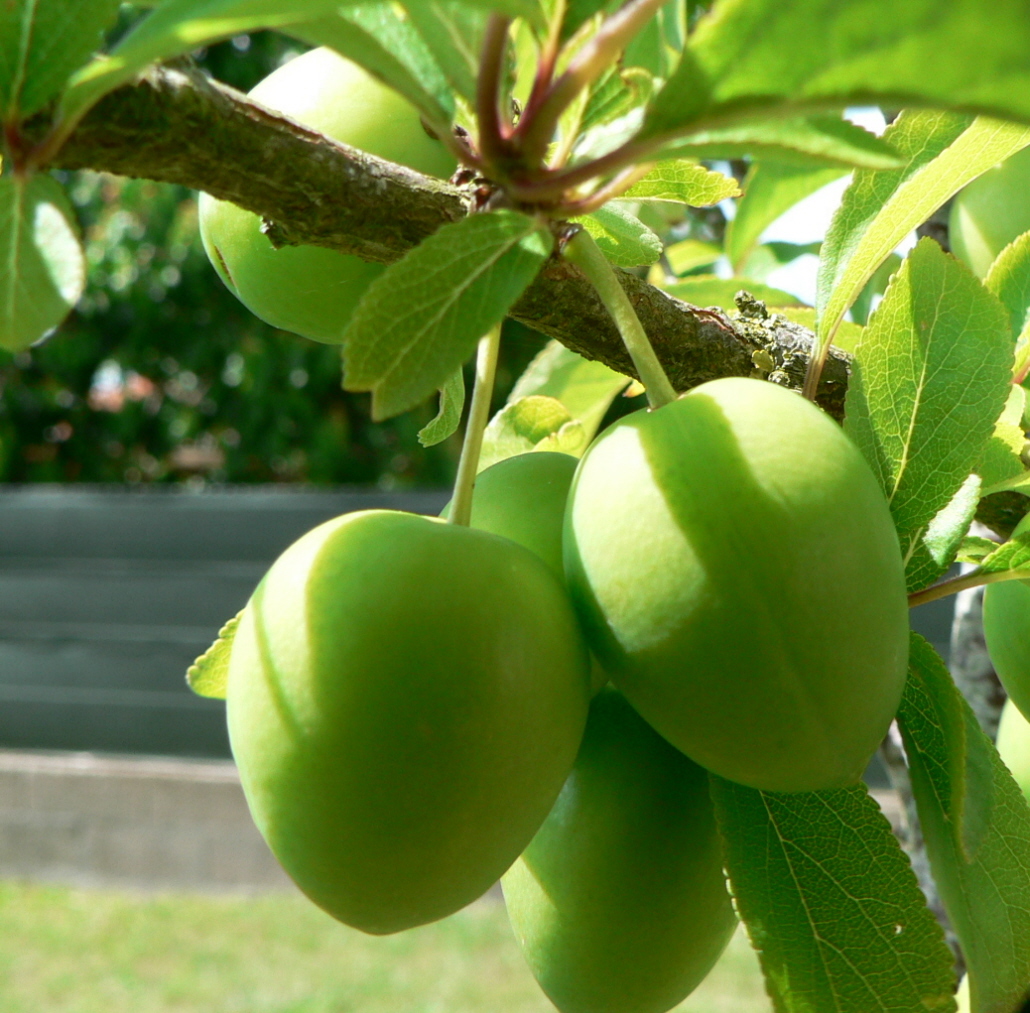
{"x": 418, "y": 708}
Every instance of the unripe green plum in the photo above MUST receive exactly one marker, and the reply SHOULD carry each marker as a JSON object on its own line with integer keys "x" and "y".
{"x": 405, "y": 699}
{"x": 308, "y": 289}
{"x": 1006, "y": 622}
{"x": 989, "y": 213}
{"x": 620, "y": 903}
{"x": 523, "y": 498}
{"x": 1014, "y": 745}
{"x": 1006, "y": 618}
{"x": 735, "y": 565}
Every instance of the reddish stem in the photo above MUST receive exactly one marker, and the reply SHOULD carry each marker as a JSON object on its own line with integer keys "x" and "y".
{"x": 493, "y": 144}
{"x": 585, "y": 67}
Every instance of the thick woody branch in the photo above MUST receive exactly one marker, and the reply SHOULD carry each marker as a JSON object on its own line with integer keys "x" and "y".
{"x": 177, "y": 126}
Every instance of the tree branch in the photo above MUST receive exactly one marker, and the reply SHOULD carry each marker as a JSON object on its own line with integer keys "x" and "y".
{"x": 177, "y": 126}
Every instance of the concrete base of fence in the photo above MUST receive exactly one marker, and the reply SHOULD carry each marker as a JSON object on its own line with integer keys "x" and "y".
{"x": 135, "y": 822}
{"x": 150, "y": 823}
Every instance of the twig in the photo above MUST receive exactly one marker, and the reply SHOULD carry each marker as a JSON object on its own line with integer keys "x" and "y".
{"x": 955, "y": 584}
{"x": 180, "y": 127}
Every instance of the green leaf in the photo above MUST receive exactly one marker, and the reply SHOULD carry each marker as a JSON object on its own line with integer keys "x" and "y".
{"x": 1011, "y": 555}
{"x": 650, "y": 48}
{"x": 42, "y": 267}
{"x": 862, "y": 307}
{"x": 421, "y": 319}
{"x": 938, "y": 547}
{"x": 528, "y": 424}
{"x": 454, "y": 33}
{"x": 709, "y": 290}
{"x": 578, "y": 12}
{"x": 615, "y": 94}
{"x": 690, "y": 254}
{"x": 385, "y": 44}
{"x": 830, "y": 903}
{"x": 1001, "y": 459}
{"x": 41, "y": 43}
{"x": 774, "y": 58}
{"x": 1009, "y": 280}
{"x": 623, "y": 238}
{"x": 586, "y": 388}
{"x": 974, "y": 549}
{"x": 812, "y": 141}
{"x": 770, "y": 189}
{"x": 880, "y": 209}
{"x": 929, "y": 380}
{"x": 685, "y": 182}
{"x": 976, "y": 825}
{"x": 176, "y": 27}
{"x": 529, "y": 9}
{"x": 209, "y": 674}
{"x": 448, "y": 418}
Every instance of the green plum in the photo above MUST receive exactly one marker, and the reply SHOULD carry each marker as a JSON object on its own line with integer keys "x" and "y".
{"x": 989, "y": 213}
{"x": 307, "y": 289}
{"x": 523, "y": 498}
{"x": 735, "y": 565}
{"x": 405, "y": 700}
{"x": 1006, "y": 622}
{"x": 1014, "y": 745}
{"x": 620, "y": 903}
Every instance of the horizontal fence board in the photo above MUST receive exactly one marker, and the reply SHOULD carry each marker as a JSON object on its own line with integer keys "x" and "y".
{"x": 180, "y": 732}
{"x": 233, "y": 525}
{"x": 77, "y": 665}
{"x": 107, "y": 596}
{"x": 147, "y": 595}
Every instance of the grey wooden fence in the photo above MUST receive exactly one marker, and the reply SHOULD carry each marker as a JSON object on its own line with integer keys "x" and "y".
{"x": 107, "y": 596}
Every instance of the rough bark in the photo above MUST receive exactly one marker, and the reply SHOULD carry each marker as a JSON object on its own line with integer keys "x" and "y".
{"x": 177, "y": 126}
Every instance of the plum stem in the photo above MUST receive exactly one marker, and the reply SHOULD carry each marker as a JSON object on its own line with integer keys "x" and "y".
{"x": 966, "y": 580}
{"x": 479, "y": 414}
{"x": 582, "y": 251}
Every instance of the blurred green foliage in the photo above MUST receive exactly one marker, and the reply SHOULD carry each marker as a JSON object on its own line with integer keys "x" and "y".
{"x": 160, "y": 375}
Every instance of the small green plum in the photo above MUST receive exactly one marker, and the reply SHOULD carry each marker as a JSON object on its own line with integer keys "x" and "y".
{"x": 734, "y": 563}
{"x": 308, "y": 289}
{"x": 1014, "y": 745}
{"x": 1006, "y": 623}
{"x": 405, "y": 700}
{"x": 523, "y": 498}
{"x": 620, "y": 903}
{"x": 992, "y": 211}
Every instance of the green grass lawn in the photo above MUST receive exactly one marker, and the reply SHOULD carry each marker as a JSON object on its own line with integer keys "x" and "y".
{"x": 88, "y": 951}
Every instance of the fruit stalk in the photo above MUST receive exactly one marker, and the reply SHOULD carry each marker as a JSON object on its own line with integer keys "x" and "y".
{"x": 582, "y": 251}
{"x": 479, "y": 412}
{"x": 967, "y": 580}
